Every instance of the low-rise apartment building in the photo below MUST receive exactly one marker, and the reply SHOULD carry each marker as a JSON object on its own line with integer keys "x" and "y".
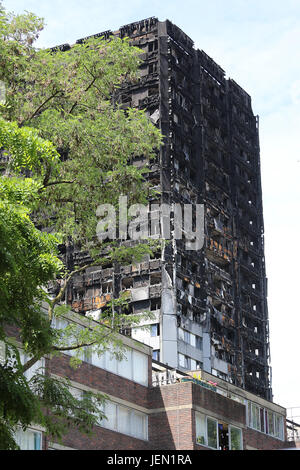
{"x": 151, "y": 406}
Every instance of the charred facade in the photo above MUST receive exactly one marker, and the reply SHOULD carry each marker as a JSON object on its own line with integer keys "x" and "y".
{"x": 210, "y": 305}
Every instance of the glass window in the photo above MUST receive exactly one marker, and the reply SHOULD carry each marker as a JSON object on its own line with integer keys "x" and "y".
{"x": 262, "y": 420}
{"x": 181, "y": 360}
{"x": 187, "y": 362}
{"x": 255, "y": 415}
{"x": 110, "y": 410}
{"x": 276, "y": 425}
{"x": 154, "y": 329}
{"x": 98, "y": 361}
{"x": 76, "y": 392}
{"x": 125, "y": 365}
{"x": 180, "y": 334}
{"x": 271, "y": 422}
{"x": 187, "y": 337}
{"x": 212, "y": 433}
{"x": 123, "y": 423}
{"x": 140, "y": 367}
{"x": 125, "y": 420}
{"x": 267, "y": 421}
{"x": 199, "y": 343}
{"x": 200, "y": 429}
{"x": 236, "y": 440}
{"x": 37, "y": 368}
{"x": 138, "y": 425}
{"x": 193, "y": 340}
{"x": 249, "y": 413}
{"x": 110, "y": 362}
{"x": 281, "y": 429}
{"x": 29, "y": 439}
{"x": 156, "y": 354}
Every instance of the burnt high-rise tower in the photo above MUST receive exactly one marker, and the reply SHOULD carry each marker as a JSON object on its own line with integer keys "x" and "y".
{"x": 210, "y": 305}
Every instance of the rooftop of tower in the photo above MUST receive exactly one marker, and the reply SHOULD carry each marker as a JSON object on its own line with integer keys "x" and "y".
{"x": 145, "y": 26}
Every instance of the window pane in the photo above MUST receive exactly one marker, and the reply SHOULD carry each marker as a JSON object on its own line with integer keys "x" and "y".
{"x": 111, "y": 416}
{"x": 249, "y": 414}
{"x": 255, "y": 416}
{"x": 181, "y": 360}
{"x": 267, "y": 422}
{"x": 276, "y": 425}
{"x": 140, "y": 368}
{"x": 271, "y": 422}
{"x": 236, "y": 439}
{"x": 199, "y": 343}
{"x": 187, "y": 362}
{"x": 37, "y": 441}
{"x": 76, "y": 392}
{"x": 123, "y": 417}
{"x": 110, "y": 362}
{"x": 98, "y": 361}
{"x": 187, "y": 337}
{"x": 138, "y": 425}
{"x": 200, "y": 429}
{"x": 125, "y": 365}
{"x": 37, "y": 368}
{"x": 262, "y": 420}
{"x": 180, "y": 334}
{"x": 156, "y": 355}
{"x": 28, "y": 440}
{"x": 212, "y": 440}
{"x": 281, "y": 430}
{"x": 154, "y": 329}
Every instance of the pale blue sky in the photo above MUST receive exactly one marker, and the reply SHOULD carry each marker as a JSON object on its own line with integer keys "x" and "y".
{"x": 257, "y": 42}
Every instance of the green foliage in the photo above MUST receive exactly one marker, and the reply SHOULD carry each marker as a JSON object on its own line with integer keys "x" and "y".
{"x": 67, "y": 97}
{"x": 26, "y": 150}
{"x": 65, "y": 410}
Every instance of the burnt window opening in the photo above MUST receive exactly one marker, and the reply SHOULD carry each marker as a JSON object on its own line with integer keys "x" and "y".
{"x": 153, "y": 46}
{"x": 155, "y": 304}
{"x": 153, "y": 90}
{"x": 155, "y": 279}
{"x": 141, "y": 306}
{"x": 152, "y": 68}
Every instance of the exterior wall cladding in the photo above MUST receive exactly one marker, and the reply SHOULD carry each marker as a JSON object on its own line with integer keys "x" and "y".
{"x": 210, "y": 156}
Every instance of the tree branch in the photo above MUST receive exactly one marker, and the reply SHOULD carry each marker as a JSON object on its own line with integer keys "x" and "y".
{"x": 72, "y": 348}
{"x": 89, "y": 86}
{"x": 40, "y": 107}
{"x": 52, "y": 183}
{"x": 36, "y": 358}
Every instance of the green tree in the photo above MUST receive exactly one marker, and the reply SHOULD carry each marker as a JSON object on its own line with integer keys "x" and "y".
{"x": 67, "y": 147}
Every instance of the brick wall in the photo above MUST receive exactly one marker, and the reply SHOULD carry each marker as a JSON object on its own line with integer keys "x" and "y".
{"x": 103, "y": 439}
{"x": 172, "y": 424}
{"x": 101, "y": 380}
{"x": 225, "y": 408}
{"x": 261, "y": 441}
